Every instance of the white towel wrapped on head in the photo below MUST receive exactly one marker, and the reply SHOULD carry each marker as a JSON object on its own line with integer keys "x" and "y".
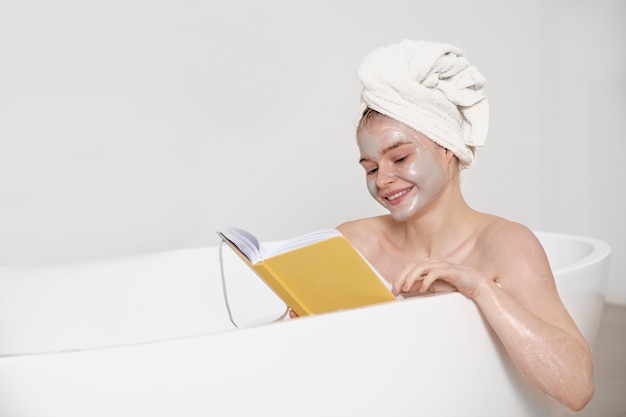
{"x": 432, "y": 88}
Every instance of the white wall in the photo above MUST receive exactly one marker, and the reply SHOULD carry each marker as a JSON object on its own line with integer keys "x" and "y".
{"x": 133, "y": 126}
{"x": 592, "y": 128}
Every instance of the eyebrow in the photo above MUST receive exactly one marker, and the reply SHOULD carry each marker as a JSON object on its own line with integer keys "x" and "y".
{"x": 388, "y": 149}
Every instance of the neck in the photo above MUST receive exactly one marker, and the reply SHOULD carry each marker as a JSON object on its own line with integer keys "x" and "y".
{"x": 440, "y": 228}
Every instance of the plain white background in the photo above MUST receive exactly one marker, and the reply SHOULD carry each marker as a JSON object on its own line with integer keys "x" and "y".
{"x": 135, "y": 126}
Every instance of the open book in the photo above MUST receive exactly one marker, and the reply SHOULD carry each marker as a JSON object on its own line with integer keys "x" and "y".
{"x": 314, "y": 273}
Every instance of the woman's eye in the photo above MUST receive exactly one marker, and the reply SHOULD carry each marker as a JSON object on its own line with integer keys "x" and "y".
{"x": 401, "y": 160}
{"x": 371, "y": 171}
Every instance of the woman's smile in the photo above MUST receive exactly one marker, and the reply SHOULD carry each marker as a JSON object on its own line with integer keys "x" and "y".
{"x": 396, "y": 197}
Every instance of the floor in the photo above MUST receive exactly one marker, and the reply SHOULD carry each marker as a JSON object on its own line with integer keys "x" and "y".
{"x": 609, "y": 366}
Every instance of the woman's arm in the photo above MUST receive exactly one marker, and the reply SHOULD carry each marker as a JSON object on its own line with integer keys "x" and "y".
{"x": 545, "y": 345}
{"x": 524, "y": 310}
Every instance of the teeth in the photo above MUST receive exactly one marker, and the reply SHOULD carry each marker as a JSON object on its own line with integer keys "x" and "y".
{"x": 396, "y": 195}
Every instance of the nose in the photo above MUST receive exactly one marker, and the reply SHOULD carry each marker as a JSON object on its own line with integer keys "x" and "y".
{"x": 385, "y": 175}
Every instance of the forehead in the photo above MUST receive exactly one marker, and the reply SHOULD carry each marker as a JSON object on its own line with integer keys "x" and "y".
{"x": 383, "y": 132}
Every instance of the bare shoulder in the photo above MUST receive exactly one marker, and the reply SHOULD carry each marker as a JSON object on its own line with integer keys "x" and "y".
{"x": 367, "y": 234}
{"x": 505, "y": 237}
{"x": 518, "y": 261}
{"x": 514, "y": 256}
{"x": 362, "y": 229}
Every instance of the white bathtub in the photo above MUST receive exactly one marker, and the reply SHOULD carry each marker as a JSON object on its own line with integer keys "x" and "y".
{"x": 150, "y": 336}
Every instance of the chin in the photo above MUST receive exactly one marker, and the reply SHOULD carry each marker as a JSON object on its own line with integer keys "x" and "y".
{"x": 401, "y": 217}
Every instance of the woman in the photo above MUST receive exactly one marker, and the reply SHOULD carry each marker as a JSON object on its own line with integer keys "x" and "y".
{"x": 423, "y": 115}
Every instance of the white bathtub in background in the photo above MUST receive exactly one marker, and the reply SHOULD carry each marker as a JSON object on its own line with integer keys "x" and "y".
{"x": 150, "y": 336}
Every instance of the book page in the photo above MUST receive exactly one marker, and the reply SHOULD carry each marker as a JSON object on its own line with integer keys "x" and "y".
{"x": 247, "y": 243}
{"x": 301, "y": 241}
{"x": 250, "y": 246}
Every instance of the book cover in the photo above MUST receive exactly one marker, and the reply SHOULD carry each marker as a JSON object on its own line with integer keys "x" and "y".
{"x": 315, "y": 273}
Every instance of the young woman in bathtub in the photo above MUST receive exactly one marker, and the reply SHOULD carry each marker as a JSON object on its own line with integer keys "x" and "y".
{"x": 423, "y": 115}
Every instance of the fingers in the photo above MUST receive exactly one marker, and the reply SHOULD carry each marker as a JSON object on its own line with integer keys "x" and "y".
{"x": 434, "y": 272}
{"x": 424, "y": 276}
{"x": 440, "y": 286}
{"x": 406, "y": 280}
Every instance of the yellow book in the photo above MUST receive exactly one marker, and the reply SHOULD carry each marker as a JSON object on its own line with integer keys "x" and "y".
{"x": 314, "y": 273}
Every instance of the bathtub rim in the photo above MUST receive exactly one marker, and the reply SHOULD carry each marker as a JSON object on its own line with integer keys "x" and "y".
{"x": 599, "y": 249}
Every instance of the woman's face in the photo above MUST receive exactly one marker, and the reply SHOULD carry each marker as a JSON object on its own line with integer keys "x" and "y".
{"x": 403, "y": 168}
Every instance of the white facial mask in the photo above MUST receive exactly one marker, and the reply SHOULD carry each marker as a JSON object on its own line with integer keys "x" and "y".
{"x": 405, "y": 175}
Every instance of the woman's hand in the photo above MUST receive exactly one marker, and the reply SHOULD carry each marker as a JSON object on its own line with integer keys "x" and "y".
{"x": 432, "y": 275}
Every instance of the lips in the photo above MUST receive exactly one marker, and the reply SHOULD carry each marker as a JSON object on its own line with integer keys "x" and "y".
{"x": 396, "y": 195}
